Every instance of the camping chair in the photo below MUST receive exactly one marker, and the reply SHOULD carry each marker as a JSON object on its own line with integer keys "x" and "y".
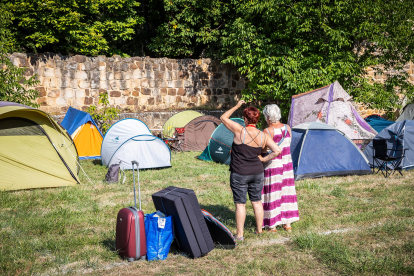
{"x": 179, "y": 135}
{"x": 388, "y": 160}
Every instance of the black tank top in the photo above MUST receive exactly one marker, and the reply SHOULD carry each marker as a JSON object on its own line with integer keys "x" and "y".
{"x": 244, "y": 158}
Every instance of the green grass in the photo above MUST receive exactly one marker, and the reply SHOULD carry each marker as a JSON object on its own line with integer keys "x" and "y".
{"x": 348, "y": 225}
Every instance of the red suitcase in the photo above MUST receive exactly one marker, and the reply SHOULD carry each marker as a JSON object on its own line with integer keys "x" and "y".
{"x": 130, "y": 228}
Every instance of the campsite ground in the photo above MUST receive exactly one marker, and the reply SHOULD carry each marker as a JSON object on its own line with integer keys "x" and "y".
{"x": 348, "y": 225}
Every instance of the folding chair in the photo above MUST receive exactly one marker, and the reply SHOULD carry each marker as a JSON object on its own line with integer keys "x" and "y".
{"x": 387, "y": 159}
{"x": 179, "y": 135}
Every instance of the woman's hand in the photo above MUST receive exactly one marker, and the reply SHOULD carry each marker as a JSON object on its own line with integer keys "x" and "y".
{"x": 240, "y": 103}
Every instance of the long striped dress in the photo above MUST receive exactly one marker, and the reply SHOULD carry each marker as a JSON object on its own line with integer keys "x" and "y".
{"x": 279, "y": 194}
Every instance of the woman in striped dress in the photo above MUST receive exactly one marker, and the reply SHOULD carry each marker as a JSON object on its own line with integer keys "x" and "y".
{"x": 279, "y": 195}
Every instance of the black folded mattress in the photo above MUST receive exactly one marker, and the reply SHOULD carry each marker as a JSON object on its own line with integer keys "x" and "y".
{"x": 191, "y": 231}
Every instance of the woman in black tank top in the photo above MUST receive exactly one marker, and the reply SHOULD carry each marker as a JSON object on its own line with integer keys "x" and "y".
{"x": 246, "y": 165}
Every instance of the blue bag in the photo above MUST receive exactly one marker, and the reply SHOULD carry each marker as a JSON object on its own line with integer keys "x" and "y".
{"x": 159, "y": 231}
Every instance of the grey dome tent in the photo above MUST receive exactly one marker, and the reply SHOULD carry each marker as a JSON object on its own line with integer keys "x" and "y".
{"x": 320, "y": 150}
{"x": 407, "y": 114}
{"x": 219, "y": 146}
{"x": 399, "y": 136}
{"x": 197, "y": 133}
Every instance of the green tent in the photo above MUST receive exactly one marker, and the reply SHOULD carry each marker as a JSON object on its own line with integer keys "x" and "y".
{"x": 219, "y": 146}
{"x": 35, "y": 152}
{"x": 179, "y": 120}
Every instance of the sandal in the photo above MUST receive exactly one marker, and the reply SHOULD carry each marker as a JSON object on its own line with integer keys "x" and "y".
{"x": 257, "y": 233}
{"x": 272, "y": 230}
{"x": 289, "y": 229}
{"x": 238, "y": 239}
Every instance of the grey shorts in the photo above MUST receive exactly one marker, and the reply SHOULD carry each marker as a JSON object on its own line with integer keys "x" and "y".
{"x": 242, "y": 184}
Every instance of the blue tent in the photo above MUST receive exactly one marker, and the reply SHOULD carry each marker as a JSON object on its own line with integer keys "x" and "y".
{"x": 75, "y": 118}
{"x": 321, "y": 150}
{"x": 84, "y": 132}
{"x": 378, "y": 123}
{"x": 399, "y": 135}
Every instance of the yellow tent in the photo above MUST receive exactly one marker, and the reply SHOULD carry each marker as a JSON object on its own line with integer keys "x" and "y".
{"x": 84, "y": 132}
{"x": 35, "y": 152}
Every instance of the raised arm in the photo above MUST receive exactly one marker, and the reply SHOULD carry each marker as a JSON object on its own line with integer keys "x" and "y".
{"x": 273, "y": 147}
{"x": 232, "y": 125}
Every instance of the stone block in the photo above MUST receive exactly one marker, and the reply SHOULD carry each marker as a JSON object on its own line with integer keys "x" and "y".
{"x": 170, "y": 84}
{"x": 102, "y": 75}
{"x": 41, "y": 90}
{"x": 132, "y": 101}
{"x": 151, "y": 101}
{"x": 49, "y": 82}
{"x": 126, "y": 92}
{"x": 151, "y": 83}
{"x": 82, "y": 75}
{"x": 219, "y": 91}
{"x": 181, "y": 91}
{"x": 82, "y": 66}
{"x": 28, "y": 72}
{"x": 136, "y": 74}
{"x": 124, "y": 66}
{"x": 48, "y": 72}
{"x": 172, "y": 91}
{"x": 101, "y": 66}
{"x": 110, "y": 76}
{"x": 144, "y": 83}
{"x": 114, "y": 84}
{"x": 217, "y": 75}
{"x": 117, "y": 66}
{"x": 140, "y": 64}
{"x": 84, "y": 84}
{"x": 68, "y": 74}
{"x": 24, "y": 62}
{"x": 236, "y": 76}
{"x": 194, "y": 99}
{"x": 146, "y": 91}
{"x": 42, "y": 101}
{"x": 80, "y": 93}
{"x": 155, "y": 66}
{"x": 183, "y": 75}
{"x": 159, "y": 75}
{"x": 79, "y": 58}
{"x": 178, "y": 84}
{"x": 118, "y": 75}
{"x": 233, "y": 84}
{"x": 162, "y": 67}
{"x": 142, "y": 100}
{"x": 71, "y": 66}
{"x": 163, "y": 91}
{"x": 104, "y": 84}
{"x": 115, "y": 94}
{"x": 207, "y": 92}
{"x": 51, "y": 101}
{"x": 61, "y": 102}
{"x": 148, "y": 66}
{"x": 95, "y": 84}
{"x": 88, "y": 101}
{"x": 156, "y": 92}
{"x": 126, "y": 75}
{"x": 135, "y": 92}
{"x": 78, "y": 102}
{"x": 203, "y": 76}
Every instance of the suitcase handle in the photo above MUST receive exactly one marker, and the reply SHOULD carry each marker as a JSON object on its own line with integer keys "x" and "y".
{"x": 134, "y": 162}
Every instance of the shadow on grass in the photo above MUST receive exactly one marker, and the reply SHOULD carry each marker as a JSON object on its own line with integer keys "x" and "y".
{"x": 227, "y": 216}
{"x": 109, "y": 244}
{"x": 97, "y": 162}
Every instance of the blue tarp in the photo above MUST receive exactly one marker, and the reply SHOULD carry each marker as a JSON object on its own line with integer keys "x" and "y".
{"x": 378, "y": 123}
{"x": 75, "y": 118}
{"x": 319, "y": 151}
{"x": 399, "y": 136}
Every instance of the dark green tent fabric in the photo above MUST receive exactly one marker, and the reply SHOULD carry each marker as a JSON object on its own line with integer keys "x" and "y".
{"x": 219, "y": 146}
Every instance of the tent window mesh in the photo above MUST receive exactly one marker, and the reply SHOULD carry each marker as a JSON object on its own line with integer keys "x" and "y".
{"x": 19, "y": 127}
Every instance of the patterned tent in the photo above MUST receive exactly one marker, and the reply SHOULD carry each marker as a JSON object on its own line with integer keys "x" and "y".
{"x": 332, "y": 105}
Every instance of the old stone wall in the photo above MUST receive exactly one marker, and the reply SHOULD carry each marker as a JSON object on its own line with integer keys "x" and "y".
{"x": 136, "y": 84}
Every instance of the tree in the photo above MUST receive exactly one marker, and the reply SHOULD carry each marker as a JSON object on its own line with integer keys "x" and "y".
{"x": 192, "y": 28}
{"x": 105, "y": 115}
{"x": 287, "y": 47}
{"x": 89, "y": 27}
{"x": 13, "y": 84}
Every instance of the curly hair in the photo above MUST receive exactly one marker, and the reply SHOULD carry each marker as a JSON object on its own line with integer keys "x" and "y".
{"x": 252, "y": 115}
{"x": 272, "y": 113}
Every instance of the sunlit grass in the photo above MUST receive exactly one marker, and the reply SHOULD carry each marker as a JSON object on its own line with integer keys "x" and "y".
{"x": 348, "y": 225}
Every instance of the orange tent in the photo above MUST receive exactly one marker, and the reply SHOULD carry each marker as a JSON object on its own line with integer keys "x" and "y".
{"x": 85, "y": 133}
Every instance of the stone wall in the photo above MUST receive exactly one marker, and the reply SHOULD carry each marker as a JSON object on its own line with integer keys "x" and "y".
{"x": 134, "y": 84}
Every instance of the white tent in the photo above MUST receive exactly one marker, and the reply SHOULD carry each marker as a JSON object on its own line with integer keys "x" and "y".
{"x": 131, "y": 139}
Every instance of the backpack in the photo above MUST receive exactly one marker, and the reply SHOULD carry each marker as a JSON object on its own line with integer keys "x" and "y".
{"x": 113, "y": 173}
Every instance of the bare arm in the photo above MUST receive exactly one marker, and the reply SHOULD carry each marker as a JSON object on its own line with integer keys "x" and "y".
{"x": 273, "y": 147}
{"x": 231, "y": 125}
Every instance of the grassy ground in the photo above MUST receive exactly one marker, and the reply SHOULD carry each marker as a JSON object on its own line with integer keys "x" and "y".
{"x": 348, "y": 225}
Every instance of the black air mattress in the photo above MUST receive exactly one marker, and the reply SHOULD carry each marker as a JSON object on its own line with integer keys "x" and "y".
{"x": 191, "y": 231}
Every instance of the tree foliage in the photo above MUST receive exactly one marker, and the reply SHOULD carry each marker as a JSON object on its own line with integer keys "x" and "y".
{"x": 13, "y": 84}
{"x": 287, "y": 47}
{"x": 89, "y": 27}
